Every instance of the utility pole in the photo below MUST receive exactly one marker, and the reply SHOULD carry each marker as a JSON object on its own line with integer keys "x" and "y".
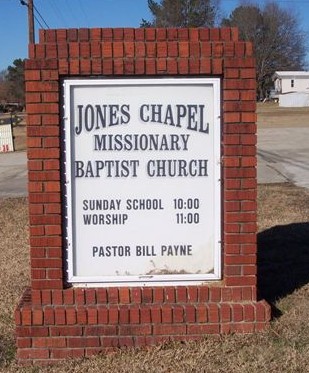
{"x": 31, "y": 22}
{"x": 30, "y": 6}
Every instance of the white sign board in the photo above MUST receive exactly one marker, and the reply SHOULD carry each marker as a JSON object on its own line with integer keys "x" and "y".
{"x": 6, "y": 138}
{"x": 142, "y": 174}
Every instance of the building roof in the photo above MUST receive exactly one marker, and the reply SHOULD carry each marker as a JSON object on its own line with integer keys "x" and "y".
{"x": 290, "y": 74}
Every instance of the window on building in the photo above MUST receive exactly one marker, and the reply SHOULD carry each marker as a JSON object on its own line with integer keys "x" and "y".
{"x": 292, "y": 83}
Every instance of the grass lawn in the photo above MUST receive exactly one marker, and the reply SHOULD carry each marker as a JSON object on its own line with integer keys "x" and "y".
{"x": 283, "y": 277}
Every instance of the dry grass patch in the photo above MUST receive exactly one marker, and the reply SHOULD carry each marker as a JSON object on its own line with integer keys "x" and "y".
{"x": 283, "y": 348}
{"x": 14, "y": 268}
{"x": 270, "y": 114}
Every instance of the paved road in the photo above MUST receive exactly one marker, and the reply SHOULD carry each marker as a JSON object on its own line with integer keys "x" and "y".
{"x": 13, "y": 174}
{"x": 283, "y": 156}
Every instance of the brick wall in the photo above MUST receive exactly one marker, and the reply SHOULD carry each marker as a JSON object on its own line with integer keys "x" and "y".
{"x": 55, "y": 321}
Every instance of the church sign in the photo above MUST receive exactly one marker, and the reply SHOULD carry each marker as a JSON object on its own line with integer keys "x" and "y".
{"x": 142, "y": 177}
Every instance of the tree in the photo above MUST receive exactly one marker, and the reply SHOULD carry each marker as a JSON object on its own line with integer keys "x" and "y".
{"x": 278, "y": 42}
{"x": 3, "y": 86}
{"x": 182, "y": 13}
{"x": 15, "y": 81}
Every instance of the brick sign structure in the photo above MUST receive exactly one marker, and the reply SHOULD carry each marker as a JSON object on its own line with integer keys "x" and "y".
{"x": 142, "y": 190}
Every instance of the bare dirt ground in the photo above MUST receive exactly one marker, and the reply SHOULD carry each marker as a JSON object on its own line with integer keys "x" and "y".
{"x": 283, "y": 278}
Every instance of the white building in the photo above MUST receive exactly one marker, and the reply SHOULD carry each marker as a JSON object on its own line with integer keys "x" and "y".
{"x": 292, "y": 88}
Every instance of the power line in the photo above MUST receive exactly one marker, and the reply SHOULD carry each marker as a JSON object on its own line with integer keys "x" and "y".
{"x": 40, "y": 15}
{"x": 23, "y": 2}
{"x": 31, "y": 16}
{"x": 57, "y": 11}
{"x": 38, "y": 21}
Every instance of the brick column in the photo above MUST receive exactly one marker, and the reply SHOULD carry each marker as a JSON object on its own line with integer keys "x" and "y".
{"x": 56, "y": 321}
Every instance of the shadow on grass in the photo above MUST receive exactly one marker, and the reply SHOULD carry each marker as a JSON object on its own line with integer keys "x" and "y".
{"x": 283, "y": 260}
{"x": 7, "y": 350}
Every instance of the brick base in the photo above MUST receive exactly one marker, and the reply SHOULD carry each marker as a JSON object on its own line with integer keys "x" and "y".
{"x": 84, "y": 322}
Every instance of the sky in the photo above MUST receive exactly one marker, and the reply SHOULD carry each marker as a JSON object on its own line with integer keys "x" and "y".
{"x": 91, "y": 13}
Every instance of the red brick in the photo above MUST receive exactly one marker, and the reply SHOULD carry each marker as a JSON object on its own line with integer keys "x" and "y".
{"x": 102, "y": 315}
{"x": 205, "y": 66}
{"x": 67, "y": 353}
{"x": 240, "y": 281}
{"x": 213, "y": 313}
{"x": 134, "y": 330}
{"x": 38, "y": 353}
{"x": 136, "y": 296}
{"x": 134, "y": 315}
{"x": 129, "y": 49}
{"x": 23, "y": 342}
{"x": 123, "y": 314}
{"x": 155, "y": 312}
{"x": 225, "y": 313}
{"x": 158, "y": 295}
{"x": 150, "y": 67}
{"x": 177, "y": 314}
{"x": 139, "y": 34}
{"x": 95, "y": 330}
{"x": 52, "y": 229}
{"x": 107, "y": 34}
{"x": 237, "y": 312}
{"x": 71, "y": 315}
{"x": 181, "y": 294}
{"x": 150, "y": 34}
{"x": 92, "y": 315}
{"x": 162, "y": 49}
{"x": 26, "y": 316}
{"x": 147, "y": 295}
{"x": 113, "y": 315}
{"x": 101, "y": 295}
{"x": 248, "y": 311}
{"x": 35, "y": 331}
{"x": 203, "y": 294}
{"x": 190, "y": 313}
{"x": 171, "y": 67}
{"x": 145, "y": 315}
{"x": 166, "y": 313}
{"x": 260, "y": 313}
{"x": 192, "y": 292}
{"x": 80, "y": 296}
{"x": 68, "y": 296}
{"x": 162, "y": 65}
{"x": 90, "y": 295}
{"x": 124, "y": 295}
{"x": 201, "y": 313}
{"x": 183, "y": 48}
{"x": 60, "y": 318}
{"x": 57, "y": 297}
{"x": 194, "y": 329}
{"x": 81, "y": 316}
{"x": 226, "y": 294}
{"x": 168, "y": 330}
{"x": 79, "y": 342}
{"x": 214, "y": 294}
{"x": 170, "y": 296}
{"x": 194, "y": 66}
